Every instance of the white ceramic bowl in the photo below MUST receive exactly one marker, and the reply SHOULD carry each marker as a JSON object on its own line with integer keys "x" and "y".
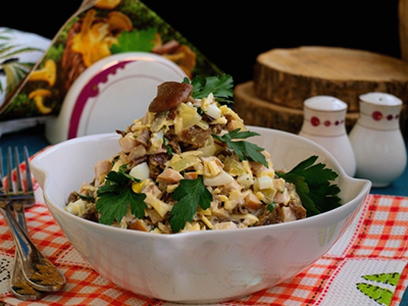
{"x": 205, "y": 266}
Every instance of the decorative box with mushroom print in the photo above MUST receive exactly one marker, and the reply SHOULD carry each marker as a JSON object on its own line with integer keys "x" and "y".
{"x": 100, "y": 28}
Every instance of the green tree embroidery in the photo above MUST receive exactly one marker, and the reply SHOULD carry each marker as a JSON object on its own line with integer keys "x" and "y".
{"x": 385, "y": 278}
{"x": 382, "y": 296}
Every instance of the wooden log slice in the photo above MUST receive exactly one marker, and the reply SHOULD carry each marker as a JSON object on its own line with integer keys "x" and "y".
{"x": 403, "y": 27}
{"x": 289, "y": 76}
{"x": 256, "y": 111}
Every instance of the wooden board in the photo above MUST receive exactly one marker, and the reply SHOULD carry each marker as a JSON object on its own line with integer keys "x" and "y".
{"x": 289, "y": 76}
{"x": 256, "y": 111}
{"x": 403, "y": 28}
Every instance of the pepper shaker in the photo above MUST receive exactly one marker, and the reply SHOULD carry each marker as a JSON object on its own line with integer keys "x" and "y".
{"x": 324, "y": 123}
{"x": 377, "y": 140}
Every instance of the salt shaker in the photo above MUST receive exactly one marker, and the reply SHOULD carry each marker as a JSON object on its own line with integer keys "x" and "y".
{"x": 377, "y": 140}
{"x": 324, "y": 123}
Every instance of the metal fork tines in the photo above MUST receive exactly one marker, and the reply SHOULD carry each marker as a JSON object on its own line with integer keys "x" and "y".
{"x": 37, "y": 271}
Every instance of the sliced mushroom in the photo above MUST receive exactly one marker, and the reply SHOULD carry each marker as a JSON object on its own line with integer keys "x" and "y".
{"x": 47, "y": 74}
{"x": 39, "y": 96}
{"x": 170, "y": 95}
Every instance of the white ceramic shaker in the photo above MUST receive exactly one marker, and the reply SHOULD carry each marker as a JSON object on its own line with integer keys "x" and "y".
{"x": 377, "y": 140}
{"x": 324, "y": 123}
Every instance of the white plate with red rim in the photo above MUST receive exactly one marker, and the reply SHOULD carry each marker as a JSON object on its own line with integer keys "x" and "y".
{"x": 110, "y": 94}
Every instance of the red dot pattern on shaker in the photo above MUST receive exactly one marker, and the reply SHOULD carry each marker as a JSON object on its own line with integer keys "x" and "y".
{"x": 377, "y": 115}
{"x": 315, "y": 121}
{"x": 390, "y": 117}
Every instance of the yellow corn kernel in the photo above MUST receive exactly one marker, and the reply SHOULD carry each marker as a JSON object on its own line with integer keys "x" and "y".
{"x": 137, "y": 187}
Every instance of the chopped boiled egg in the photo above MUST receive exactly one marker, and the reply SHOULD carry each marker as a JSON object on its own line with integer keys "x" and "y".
{"x": 264, "y": 182}
{"x": 213, "y": 111}
{"x": 140, "y": 171}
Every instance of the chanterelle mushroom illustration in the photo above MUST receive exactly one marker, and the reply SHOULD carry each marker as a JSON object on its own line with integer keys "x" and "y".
{"x": 119, "y": 21}
{"x": 48, "y": 73}
{"x": 107, "y": 4}
{"x": 39, "y": 96}
{"x": 94, "y": 40}
{"x": 184, "y": 57}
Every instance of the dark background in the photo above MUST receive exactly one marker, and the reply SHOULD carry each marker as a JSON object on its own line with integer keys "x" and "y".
{"x": 232, "y": 35}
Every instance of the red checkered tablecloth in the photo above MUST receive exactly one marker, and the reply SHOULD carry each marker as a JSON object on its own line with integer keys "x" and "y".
{"x": 367, "y": 266}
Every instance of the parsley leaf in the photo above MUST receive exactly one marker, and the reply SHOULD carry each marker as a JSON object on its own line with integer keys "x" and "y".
{"x": 115, "y": 197}
{"x": 244, "y": 150}
{"x": 189, "y": 195}
{"x": 220, "y": 86}
{"x": 85, "y": 197}
{"x": 313, "y": 185}
{"x": 136, "y": 40}
{"x": 168, "y": 147}
{"x": 271, "y": 207}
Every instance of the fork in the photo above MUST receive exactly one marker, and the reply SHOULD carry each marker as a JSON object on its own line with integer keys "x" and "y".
{"x": 37, "y": 270}
{"x": 19, "y": 285}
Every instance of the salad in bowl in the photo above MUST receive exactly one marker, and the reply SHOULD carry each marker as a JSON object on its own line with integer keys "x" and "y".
{"x": 187, "y": 205}
{"x": 188, "y": 165}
